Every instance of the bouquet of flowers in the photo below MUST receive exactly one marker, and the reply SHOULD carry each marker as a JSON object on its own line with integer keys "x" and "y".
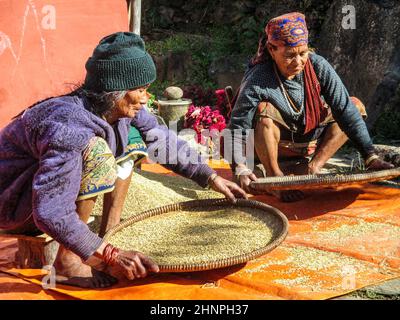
{"x": 204, "y": 118}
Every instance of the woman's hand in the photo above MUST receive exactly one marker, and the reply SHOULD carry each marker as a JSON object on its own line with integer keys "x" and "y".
{"x": 373, "y": 162}
{"x": 379, "y": 164}
{"x": 245, "y": 180}
{"x": 228, "y": 188}
{"x": 134, "y": 264}
{"x": 245, "y": 176}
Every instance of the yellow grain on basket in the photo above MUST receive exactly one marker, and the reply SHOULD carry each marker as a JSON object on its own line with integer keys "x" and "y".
{"x": 204, "y": 234}
{"x": 150, "y": 190}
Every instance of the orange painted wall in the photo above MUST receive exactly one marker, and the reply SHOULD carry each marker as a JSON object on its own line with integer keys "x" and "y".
{"x": 44, "y": 45}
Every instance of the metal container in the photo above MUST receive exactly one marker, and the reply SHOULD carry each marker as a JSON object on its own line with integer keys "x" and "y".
{"x": 173, "y": 110}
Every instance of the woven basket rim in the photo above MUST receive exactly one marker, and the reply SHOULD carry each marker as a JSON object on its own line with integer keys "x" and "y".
{"x": 218, "y": 263}
{"x": 322, "y": 180}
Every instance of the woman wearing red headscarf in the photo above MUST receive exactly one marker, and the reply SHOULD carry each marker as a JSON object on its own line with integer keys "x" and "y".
{"x": 297, "y": 105}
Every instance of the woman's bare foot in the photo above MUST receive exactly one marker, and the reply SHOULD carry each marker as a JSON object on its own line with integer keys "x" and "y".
{"x": 70, "y": 270}
{"x": 288, "y": 195}
{"x": 89, "y": 278}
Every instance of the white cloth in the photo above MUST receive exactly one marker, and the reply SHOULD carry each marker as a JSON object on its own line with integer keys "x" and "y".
{"x": 124, "y": 168}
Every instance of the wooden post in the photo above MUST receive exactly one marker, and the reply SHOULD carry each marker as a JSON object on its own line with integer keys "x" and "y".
{"x": 134, "y": 12}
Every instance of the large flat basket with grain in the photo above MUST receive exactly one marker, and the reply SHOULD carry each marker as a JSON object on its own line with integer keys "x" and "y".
{"x": 322, "y": 180}
{"x": 202, "y": 234}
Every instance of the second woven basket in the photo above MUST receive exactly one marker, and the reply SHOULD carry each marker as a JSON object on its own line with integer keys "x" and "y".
{"x": 321, "y": 181}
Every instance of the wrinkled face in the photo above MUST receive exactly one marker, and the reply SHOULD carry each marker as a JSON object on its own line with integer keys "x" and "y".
{"x": 289, "y": 60}
{"x": 132, "y": 102}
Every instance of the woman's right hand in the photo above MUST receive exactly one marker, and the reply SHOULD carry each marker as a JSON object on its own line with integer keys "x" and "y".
{"x": 244, "y": 177}
{"x": 245, "y": 180}
{"x": 134, "y": 264}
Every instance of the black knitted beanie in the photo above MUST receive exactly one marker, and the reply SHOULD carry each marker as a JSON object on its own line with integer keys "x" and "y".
{"x": 119, "y": 62}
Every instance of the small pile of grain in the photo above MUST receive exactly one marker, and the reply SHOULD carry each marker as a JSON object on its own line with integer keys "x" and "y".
{"x": 317, "y": 260}
{"x": 201, "y": 235}
{"x": 301, "y": 258}
{"x": 293, "y": 282}
{"x": 333, "y": 265}
{"x": 349, "y": 232}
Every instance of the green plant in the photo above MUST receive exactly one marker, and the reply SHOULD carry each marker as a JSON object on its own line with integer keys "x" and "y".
{"x": 248, "y": 32}
{"x": 198, "y": 46}
{"x": 234, "y": 34}
{"x": 157, "y": 88}
{"x": 150, "y": 102}
{"x": 174, "y": 42}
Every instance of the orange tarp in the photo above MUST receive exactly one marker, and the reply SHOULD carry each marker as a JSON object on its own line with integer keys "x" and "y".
{"x": 14, "y": 288}
{"x": 339, "y": 241}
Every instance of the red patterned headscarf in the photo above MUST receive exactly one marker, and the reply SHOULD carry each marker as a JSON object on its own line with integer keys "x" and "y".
{"x": 287, "y": 30}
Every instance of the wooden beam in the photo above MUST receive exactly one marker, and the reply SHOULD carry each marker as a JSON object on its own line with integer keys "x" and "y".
{"x": 134, "y": 12}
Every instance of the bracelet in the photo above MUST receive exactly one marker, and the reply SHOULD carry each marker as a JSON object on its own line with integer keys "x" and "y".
{"x": 110, "y": 254}
{"x": 245, "y": 171}
{"x": 370, "y": 159}
{"x": 212, "y": 178}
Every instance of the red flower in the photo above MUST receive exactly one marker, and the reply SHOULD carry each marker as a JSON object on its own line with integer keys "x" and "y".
{"x": 203, "y": 118}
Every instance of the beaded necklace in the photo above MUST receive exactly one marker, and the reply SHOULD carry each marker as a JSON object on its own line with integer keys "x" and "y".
{"x": 286, "y": 94}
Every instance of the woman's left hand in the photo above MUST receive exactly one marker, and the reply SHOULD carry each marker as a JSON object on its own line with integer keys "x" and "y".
{"x": 228, "y": 188}
{"x": 379, "y": 164}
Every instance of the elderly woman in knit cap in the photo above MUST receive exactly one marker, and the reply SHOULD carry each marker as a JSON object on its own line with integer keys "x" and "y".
{"x": 297, "y": 106}
{"x": 60, "y": 154}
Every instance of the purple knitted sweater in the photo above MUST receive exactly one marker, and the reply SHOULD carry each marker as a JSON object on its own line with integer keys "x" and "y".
{"x": 41, "y": 164}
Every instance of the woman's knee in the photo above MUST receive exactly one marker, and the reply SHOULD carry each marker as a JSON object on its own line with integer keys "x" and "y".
{"x": 267, "y": 129}
{"x": 266, "y": 123}
{"x": 99, "y": 169}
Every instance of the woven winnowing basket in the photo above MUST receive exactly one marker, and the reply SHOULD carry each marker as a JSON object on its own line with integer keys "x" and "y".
{"x": 323, "y": 180}
{"x": 280, "y": 235}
